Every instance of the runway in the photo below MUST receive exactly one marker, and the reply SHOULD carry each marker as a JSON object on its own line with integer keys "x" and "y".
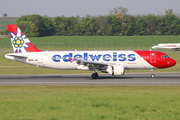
{"x": 85, "y": 79}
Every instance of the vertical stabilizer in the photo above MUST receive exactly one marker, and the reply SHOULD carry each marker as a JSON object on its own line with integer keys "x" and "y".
{"x": 20, "y": 43}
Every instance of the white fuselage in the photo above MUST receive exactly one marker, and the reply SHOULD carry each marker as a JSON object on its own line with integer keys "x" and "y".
{"x": 167, "y": 45}
{"x": 60, "y": 59}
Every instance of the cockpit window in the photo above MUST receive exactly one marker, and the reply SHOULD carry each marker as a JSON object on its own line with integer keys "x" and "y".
{"x": 164, "y": 56}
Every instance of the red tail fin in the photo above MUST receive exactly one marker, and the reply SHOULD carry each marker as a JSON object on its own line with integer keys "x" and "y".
{"x": 20, "y": 42}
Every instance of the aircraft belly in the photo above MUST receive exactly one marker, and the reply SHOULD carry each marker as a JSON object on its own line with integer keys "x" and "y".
{"x": 60, "y": 65}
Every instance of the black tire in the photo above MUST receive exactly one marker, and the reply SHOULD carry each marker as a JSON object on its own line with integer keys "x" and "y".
{"x": 94, "y": 75}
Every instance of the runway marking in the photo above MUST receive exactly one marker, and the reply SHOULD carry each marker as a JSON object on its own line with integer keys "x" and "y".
{"x": 88, "y": 82}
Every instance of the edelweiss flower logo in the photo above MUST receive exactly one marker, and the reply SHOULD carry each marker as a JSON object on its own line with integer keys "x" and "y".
{"x": 19, "y": 41}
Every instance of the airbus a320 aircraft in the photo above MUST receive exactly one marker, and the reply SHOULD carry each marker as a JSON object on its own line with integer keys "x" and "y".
{"x": 113, "y": 62}
{"x": 174, "y": 46}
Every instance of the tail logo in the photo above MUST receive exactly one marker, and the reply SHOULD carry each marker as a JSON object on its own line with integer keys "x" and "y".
{"x": 19, "y": 40}
{"x": 20, "y": 43}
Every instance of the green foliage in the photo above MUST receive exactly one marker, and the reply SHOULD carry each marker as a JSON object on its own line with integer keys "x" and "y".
{"x": 28, "y": 28}
{"x": 168, "y": 12}
{"x": 43, "y": 26}
{"x": 5, "y": 31}
{"x": 118, "y": 10}
{"x": 169, "y": 25}
{"x": 109, "y": 30}
{"x": 5, "y": 15}
{"x": 128, "y": 29}
{"x": 48, "y": 26}
{"x": 141, "y": 27}
{"x": 152, "y": 24}
{"x": 116, "y": 25}
{"x": 132, "y": 20}
{"x": 102, "y": 25}
{"x": 86, "y": 27}
{"x": 65, "y": 25}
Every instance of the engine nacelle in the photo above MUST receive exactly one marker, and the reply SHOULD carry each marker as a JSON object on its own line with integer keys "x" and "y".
{"x": 82, "y": 67}
{"x": 115, "y": 70}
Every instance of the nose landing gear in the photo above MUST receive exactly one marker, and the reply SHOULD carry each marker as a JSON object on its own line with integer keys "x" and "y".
{"x": 152, "y": 74}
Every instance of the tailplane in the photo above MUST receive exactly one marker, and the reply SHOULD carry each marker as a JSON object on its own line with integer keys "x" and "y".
{"x": 20, "y": 43}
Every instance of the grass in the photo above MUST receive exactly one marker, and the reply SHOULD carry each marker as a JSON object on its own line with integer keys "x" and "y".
{"x": 7, "y": 20}
{"x": 89, "y": 102}
{"x": 94, "y": 42}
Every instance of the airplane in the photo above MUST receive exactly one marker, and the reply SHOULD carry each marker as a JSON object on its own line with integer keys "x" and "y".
{"x": 174, "y": 46}
{"x": 113, "y": 62}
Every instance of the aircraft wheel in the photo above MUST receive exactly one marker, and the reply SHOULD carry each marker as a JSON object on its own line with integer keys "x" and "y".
{"x": 94, "y": 75}
{"x": 153, "y": 76}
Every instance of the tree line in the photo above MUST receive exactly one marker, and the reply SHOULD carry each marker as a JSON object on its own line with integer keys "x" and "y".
{"x": 113, "y": 25}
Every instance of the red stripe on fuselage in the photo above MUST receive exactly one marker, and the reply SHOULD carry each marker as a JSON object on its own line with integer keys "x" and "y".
{"x": 171, "y": 46}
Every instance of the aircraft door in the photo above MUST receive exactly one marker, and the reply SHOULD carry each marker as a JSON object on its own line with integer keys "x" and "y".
{"x": 40, "y": 59}
{"x": 152, "y": 57}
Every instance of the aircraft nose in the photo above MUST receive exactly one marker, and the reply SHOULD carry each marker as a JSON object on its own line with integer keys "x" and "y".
{"x": 172, "y": 62}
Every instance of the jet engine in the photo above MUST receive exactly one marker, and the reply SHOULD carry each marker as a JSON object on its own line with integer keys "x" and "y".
{"x": 115, "y": 70}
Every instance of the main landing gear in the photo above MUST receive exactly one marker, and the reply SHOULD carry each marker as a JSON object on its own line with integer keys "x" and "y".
{"x": 152, "y": 73}
{"x": 94, "y": 75}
